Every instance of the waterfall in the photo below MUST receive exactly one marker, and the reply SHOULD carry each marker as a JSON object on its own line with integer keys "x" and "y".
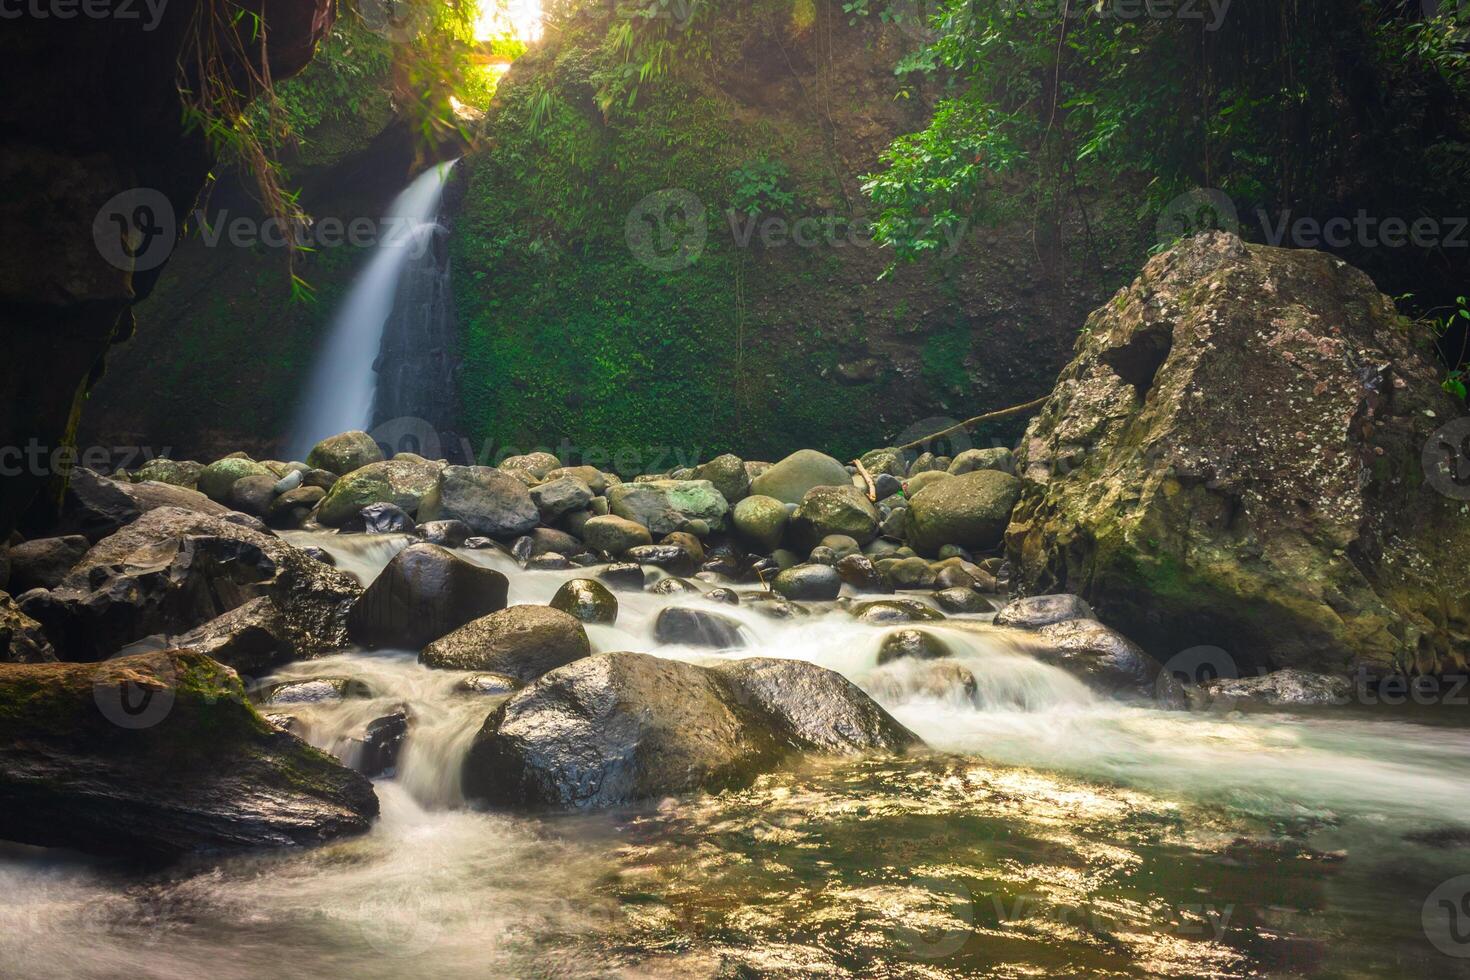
{"x": 341, "y": 392}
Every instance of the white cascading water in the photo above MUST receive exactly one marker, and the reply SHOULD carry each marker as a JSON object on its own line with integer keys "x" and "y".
{"x": 339, "y": 395}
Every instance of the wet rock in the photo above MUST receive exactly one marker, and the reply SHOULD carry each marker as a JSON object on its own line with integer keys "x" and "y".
{"x": 828, "y": 511}
{"x": 621, "y": 727}
{"x": 489, "y": 501}
{"x": 318, "y": 690}
{"x": 815, "y": 708}
{"x": 253, "y": 494}
{"x": 446, "y": 534}
{"x": 885, "y": 462}
{"x": 761, "y": 522}
{"x": 822, "y": 556}
{"x": 859, "y": 572}
{"x": 953, "y": 577}
{"x": 961, "y": 600}
{"x": 907, "y": 573}
{"x": 928, "y": 478}
{"x": 22, "y": 641}
{"x": 664, "y": 506}
{"x": 1034, "y": 612}
{"x": 886, "y": 485}
{"x": 911, "y": 644}
{"x": 587, "y": 600}
{"x": 1281, "y": 688}
{"x": 673, "y": 585}
{"x": 1104, "y": 659}
{"x": 193, "y": 770}
{"x": 625, "y": 577}
{"x": 381, "y": 518}
{"x": 697, "y": 627}
{"x": 688, "y": 541}
{"x": 935, "y": 680}
{"x": 289, "y": 482}
{"x": 424, "y": 593}
{"x": 44, "y": 562}
{"x": 345, "y": 452}
{"x": 883, "y": 612}
{"x": 728, "y": 475}
{"x": 810, "y": 582}
{"x": 557, "y": 497}
{"x": 252, "y": 638}
{"x": 488, "y": 684}
{"x": 292, "y": 508}
{"x": 218, "y": 478}
{"x": 548, "y": 540}
{"x": 841, "y": 545}
{"x": 791, "y": 479}
{"x": 373, "y": 750}
{"x": 403, "y": 481}
{"x": 727, "y": 596}
{"x": 523, "y": 642}
{"x": 774, "y": 606}
{"x": 971, "y": 510}
{"x": 550, "y": 561}
{"x": 723, "y": 565}
{"x": 172, "y": 570}
{"x": 614, "y": 535}
{"x": 896, "y": 524}
{"x": 175, "y": 472}
{"x": 982, "y": 459}
{"x": 95, "y": 506}
{"x": 670, "y": 557}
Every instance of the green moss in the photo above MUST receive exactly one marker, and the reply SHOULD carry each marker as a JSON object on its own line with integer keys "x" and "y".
{"x": 943, "y": 357}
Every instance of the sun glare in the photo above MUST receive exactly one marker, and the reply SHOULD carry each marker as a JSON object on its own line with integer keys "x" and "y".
{"x": 520, "y": 19}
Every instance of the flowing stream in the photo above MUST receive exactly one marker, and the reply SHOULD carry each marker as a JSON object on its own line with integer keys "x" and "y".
{"x": 341, "y": 393}
{"x": 1047, "y": 832}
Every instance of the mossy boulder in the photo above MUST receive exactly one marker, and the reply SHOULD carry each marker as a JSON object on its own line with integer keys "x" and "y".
{"x": 160, "y": 755}
{"x": 971, "y": 511}
{"x": 344, "y": 452}
{"x": 218, "y": 478}
{"x": 490, "y": 502}
{"x": 403, "y": 482}
{"x": 840, "y": 510}
{"x": 614, "y": 535}
{"x": 664, "y": 506}
{"x": 178, "y": 472}
{"x": 1237, "y": 457}
{"x": 728, "y": 474}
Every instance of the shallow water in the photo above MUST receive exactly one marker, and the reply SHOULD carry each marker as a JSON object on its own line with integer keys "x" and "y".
{"x": 1049, "y": 832}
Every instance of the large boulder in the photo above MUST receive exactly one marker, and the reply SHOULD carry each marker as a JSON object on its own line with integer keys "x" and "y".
{"x": 561, "y": 496}
{"x": 44, "y": 562}
{"x": 698, "y": 628}
{"x": 587, "y": 599}
{"x": 424, "y": 593}
{"x": 172, "y": 570}
{"x": 22, "y": 641}
{"x": 970, "y": 510}
{"x": 1102, "y": 658}
{"x": 621, "y": 727}
{"x": 403, "y": 481}
{"x": 790, "y": 480}
{"x": 1035, "y": 611}
{"x": 523, "y": 642}
{"x": 252, "y": 638}
{"x": 491, "y": 503}
{"x": 813, "y": 582}
{"x": 160, "y": 755}
{"x": 345, "y": 452}
{"x": 95, "y": 506}
{"x": 663, "y": 506}
{"x": 1243, "y": 454}
{"x": 834, "y": 510}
